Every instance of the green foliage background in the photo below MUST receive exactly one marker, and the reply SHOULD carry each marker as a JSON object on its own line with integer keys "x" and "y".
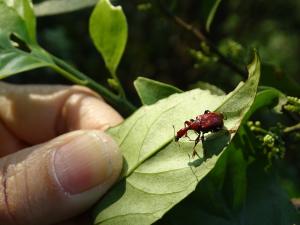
{"x": 245, "y": 186}
{"x": 158, "y": 49}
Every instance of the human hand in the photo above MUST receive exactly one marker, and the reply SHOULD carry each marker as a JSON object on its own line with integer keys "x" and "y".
{"x": 49, "y": 172}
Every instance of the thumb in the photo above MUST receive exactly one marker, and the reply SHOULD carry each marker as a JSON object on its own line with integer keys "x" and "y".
{"x": 57, "y": 180}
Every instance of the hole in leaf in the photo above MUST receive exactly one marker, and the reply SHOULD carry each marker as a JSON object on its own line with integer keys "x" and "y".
{"x": 19, "y": 43}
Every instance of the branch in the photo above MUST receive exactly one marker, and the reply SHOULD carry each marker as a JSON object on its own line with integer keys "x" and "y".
{"x": 292, "y": 128}
{"x": 201, "y": 37}
{"x": 118, "y": 102}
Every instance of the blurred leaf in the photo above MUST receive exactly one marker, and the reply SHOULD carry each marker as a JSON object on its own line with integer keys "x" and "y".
{"x": 224, "y": 189}
{"x": 266, "y": 202}
{"x": 214, "y": 6}
{"x": 233, "y": 50}
{"x": 18, "y": 48}
{"x": 267, "y": 97}
{"x": 235, "y": 185}
{"x": 24, "y": 10}
{"x": 20, "y": 52}
{"x": 274, "y": 77}
{"x": 158, "y": 172}
{"x": 53, "y": 7}
{"x": 144, "y": 6}
{"x": 202, "y": 59}
{"x": 210, "y": 87}
{"x": 108, "y": 30}
{"x": 150, "y": 91}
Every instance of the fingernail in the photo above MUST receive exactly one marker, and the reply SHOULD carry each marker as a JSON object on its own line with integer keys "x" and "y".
{"x": 83, "y": 163}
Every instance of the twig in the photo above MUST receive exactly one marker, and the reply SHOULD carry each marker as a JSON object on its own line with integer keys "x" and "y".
{"x": 201, "y": 36}
{"x": 118, "y": 102}
{"x": 292, "y": 128}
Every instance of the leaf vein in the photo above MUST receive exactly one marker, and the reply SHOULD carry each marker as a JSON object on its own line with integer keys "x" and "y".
{"x": 152, "y": 193}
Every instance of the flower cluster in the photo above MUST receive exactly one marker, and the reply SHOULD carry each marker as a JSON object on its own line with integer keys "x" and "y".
{"x": 292, "y": 105}
{"x": 270, "y": 140}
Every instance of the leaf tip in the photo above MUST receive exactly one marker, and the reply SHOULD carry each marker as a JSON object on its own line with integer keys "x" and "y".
{"x": 254, "y": 66}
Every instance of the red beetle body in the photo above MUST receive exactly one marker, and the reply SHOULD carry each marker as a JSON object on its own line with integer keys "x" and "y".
{"x": 211, "y": 121}
{"x": 207, "y": 122}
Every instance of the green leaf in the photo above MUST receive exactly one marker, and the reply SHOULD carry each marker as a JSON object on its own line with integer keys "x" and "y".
{"x": 113, "y": 83}
{"x": 267, "y": 97}
{"x": 235, "y": 185}
{"x": 158, "y": 172}
{"x": 265, "y": 203}
{"x": 223, "y": 191}
{"x": 210, "y": 87}
{"x": 18, "y": 48}
{"x": 24, "y": 10}
{"x": 150, "y": 91}
{"x": 108, "y": 30}
{"x": 20, "y": 52}
{"x": 53, "y": 7}
{"x": 214, "y": 6}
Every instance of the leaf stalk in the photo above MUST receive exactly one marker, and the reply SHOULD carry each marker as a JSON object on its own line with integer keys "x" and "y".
{"x": 117, "y": 101}
{"x": 291, "y": 129}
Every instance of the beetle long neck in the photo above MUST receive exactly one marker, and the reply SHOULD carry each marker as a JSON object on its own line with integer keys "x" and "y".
{"x": 181, "y": 133}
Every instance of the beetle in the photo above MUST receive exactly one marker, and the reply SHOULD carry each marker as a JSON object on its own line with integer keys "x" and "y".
{"x": 204, "y": 123}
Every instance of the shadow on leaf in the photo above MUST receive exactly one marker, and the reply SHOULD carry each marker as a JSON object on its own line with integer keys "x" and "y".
{"x": 214, "y": 143}
{"x": 118, "y": 192}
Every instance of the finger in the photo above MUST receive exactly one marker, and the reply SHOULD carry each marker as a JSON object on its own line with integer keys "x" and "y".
{"x": 57, "y": 180}
{"x": 37, "y": 113}
{"x": 8, "y": 141}
{"x": 81, "y": 111}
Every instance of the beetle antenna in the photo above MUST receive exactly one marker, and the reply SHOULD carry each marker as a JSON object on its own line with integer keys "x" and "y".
{"x": 174, "y": 133}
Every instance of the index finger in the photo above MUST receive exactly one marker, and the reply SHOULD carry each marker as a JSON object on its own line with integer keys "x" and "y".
{"x": 37, "y": 113}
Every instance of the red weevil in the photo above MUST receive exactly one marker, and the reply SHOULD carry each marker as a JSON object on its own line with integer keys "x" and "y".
{"x": 204, "y": 123}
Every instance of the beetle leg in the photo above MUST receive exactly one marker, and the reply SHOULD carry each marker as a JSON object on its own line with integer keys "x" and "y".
{"x": 195, "y": 153}
{"x": 202, "y": 138}
{"x": 189, "y": 138}
{"x": 197, "y": 141}
{"x": 197, "y": 133}
{"x": 194, "y": 148}
{"x": 186, "y": 124}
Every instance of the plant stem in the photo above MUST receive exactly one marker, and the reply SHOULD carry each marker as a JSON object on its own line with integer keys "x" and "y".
{"x": 120, "y": 87}
{"x": 292, "y": 128}
{"x": 202, "y": 38}
{"x": 117, "y": 101}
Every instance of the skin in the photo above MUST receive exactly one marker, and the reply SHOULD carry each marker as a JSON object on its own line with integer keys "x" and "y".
{"x": 55, "y": 159}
